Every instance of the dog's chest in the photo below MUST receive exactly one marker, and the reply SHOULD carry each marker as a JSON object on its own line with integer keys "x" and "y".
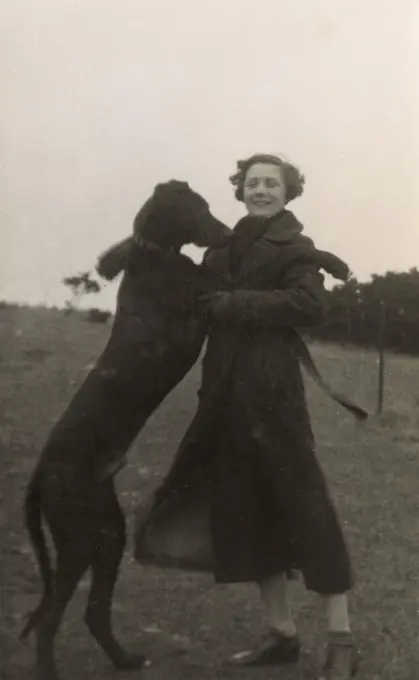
{"x": 171, "y": 285}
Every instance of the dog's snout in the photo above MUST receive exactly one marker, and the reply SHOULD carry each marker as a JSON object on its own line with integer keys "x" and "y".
{"x": 212, "y": 233}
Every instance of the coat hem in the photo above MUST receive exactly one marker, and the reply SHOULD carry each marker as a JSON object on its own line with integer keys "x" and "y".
{"x": 173, "y": 563}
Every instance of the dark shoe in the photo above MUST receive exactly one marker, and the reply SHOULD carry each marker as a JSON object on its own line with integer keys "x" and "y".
{"x": 278, "y": 651}
{"x": 341, "y": 658}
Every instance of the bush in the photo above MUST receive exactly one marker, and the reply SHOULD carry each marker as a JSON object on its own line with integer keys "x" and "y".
{"x": 95, "y": 315}
{"x": 382, "y": 311}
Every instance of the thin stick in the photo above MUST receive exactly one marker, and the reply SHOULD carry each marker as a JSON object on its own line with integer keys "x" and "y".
{"x": 381, "y": 357}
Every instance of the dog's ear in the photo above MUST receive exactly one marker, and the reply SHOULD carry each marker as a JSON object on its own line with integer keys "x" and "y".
{"x": 142, "y": 216}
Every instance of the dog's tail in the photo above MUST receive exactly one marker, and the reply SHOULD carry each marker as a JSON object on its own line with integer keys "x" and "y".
{"x": 33, "y": 521}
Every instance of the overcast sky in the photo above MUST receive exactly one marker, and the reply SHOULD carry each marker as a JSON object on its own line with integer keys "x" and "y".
{"x": 101, "y": 100}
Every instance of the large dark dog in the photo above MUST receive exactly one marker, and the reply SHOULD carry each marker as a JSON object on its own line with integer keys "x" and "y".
{"x": 157, "y": 335}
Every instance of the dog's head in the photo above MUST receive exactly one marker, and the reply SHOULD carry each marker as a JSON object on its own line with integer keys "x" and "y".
{"x": 175, "y": 216}
{"x": 172, "y": 217}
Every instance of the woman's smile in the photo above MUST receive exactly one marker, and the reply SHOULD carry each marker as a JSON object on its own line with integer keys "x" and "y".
{"x": 261, "y": 201}
{"x": 264, "y": 190}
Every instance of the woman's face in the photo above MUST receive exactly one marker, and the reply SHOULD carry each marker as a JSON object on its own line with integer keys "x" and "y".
{"x": 264, "y": 191}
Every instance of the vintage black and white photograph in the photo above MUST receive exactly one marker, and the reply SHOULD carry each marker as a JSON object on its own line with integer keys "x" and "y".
{"x": 209, "y": 340}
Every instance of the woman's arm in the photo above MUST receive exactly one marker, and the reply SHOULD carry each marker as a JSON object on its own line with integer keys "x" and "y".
{"x": 301, "y": 301}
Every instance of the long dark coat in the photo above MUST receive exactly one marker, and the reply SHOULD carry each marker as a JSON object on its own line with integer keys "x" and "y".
{"x": 245, "y": 497}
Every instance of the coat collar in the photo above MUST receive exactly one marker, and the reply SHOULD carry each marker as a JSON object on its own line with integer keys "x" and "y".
{"x": 283, "y": 227}
{"x": 268, "y": 236}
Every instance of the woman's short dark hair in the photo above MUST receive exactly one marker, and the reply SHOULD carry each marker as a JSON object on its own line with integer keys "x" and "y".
{"x": 293, "y": 178}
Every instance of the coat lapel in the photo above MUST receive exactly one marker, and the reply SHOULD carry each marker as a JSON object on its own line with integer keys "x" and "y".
{"x": 269, "y": 236}
{"x": 248, "y": 231}
{"x": 253, "y": 244}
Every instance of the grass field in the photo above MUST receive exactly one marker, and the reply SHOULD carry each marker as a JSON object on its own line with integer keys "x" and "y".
{"x": 187, "y": 624}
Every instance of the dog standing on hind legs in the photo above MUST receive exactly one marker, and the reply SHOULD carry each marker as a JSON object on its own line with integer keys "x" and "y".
{"x": 99, "y": 545}
{"x": 157, "y": 335}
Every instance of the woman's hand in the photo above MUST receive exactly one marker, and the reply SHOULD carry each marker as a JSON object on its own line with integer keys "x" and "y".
{"x": 218, "y": 302}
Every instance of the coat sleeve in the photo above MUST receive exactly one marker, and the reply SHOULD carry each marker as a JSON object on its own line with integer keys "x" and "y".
{"x": 301, "y": 301}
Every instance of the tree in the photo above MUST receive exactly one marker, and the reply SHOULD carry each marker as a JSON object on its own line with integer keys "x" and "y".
{"x": 81, "y": 284}
{"x": 357, "y": 312}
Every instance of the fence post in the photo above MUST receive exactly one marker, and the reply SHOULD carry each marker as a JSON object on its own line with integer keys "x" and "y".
{"x": 349, "y": 338}
{"x": 381, "y": 356}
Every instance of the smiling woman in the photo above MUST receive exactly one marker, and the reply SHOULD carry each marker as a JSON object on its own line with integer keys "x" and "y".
{"x": 246, "y": 480}
{"x": 265, "y": 183}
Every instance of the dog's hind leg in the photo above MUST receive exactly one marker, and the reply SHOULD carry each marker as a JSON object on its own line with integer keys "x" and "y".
{"x": 72, "y": 561}
{"x": 107, "y": 556}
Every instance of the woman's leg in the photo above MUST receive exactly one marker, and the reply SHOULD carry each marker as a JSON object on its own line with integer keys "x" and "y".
{"x": 341, "y": 656}
{"x": 274, "y": 593}
{"x": 337, "y": 613}
{"x": 283, "y": 647}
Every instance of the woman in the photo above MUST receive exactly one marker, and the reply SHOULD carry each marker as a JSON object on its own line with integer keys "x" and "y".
{"x": 246, "y": 496}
